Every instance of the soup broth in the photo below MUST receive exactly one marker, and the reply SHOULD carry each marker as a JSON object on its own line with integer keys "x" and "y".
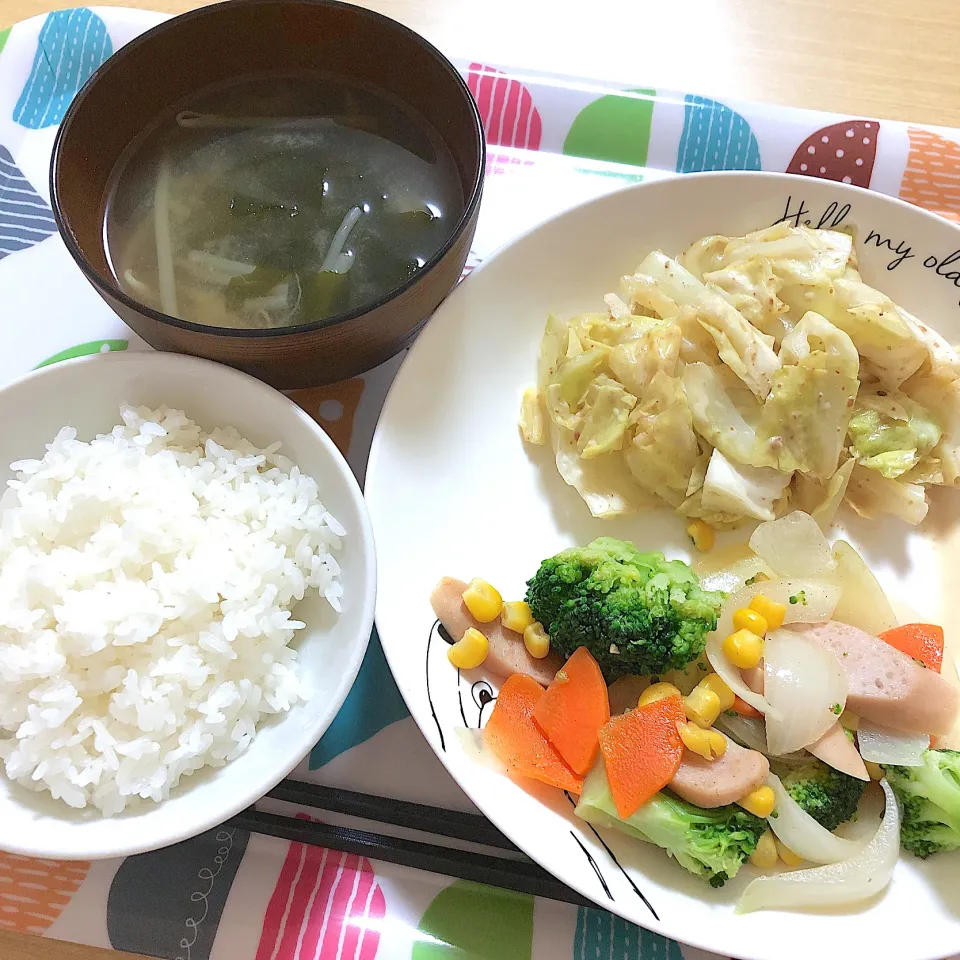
{"x": 279, "y": 201}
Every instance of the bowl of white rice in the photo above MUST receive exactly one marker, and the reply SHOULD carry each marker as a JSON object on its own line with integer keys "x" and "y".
{"x": 187, "y": 584}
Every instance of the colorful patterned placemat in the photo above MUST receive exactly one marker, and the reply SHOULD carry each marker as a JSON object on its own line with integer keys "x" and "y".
{"x": 553, "y": 143}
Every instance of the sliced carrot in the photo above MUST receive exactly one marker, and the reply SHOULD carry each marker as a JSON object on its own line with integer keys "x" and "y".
{"x": 519, "y": 743}
{"x": 745, "y": 709}
{"x": 573, "y": 709}
{"x": 642, "y": 750}
{"x": 922, "y": 641}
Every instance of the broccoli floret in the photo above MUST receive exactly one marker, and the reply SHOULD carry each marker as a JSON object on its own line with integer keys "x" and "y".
{"x": 636, "y": 612}
{"x": 930, "y": 798}
{"x": 827, "y": 795}
{"x": 712, "y": 844}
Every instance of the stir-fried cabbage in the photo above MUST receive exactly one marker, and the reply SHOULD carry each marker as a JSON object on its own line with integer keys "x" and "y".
{"x": 740, "y": 346}
{"x": 740, "y": 490}
{"x": 752, "y": 288}
{"x": 812, "y": 398}
{"x": 891, "y": 433}
{"x": 664, "y": 450}
{"x": 749, "y": 377}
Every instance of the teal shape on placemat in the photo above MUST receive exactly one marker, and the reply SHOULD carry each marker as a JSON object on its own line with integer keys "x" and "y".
{"x": 602, "y": 936}
{"x": 85, "y": 350}
{"x": 168, "y": 903}
{"x": 612, "y": 174}
{"x": 469, "y": 921}
{"x": 373, "y": 703}
{"x": 614, "y": 128}
{"x": 715, "y": 138}
{"x": 25, "y": 217}
{"x": 72, "y": 44}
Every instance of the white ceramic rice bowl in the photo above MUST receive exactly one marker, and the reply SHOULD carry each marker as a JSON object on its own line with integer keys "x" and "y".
{"x": 86, "y": 393}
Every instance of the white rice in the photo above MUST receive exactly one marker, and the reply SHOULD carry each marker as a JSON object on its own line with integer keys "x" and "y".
{"x": 146, "y": 583}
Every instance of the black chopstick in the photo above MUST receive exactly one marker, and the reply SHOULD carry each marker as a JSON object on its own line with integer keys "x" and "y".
{"x": 521, "y": 876}
{"x": 400, "y": 813}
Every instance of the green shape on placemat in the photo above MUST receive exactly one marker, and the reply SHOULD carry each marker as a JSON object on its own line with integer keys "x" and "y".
{"x": 374, "y": 702}
{"x": 4, "y": 36}
{"x": 470, "y": 921}
{"x": 602, "y": 936}
{"x": 615, "y": 128}
{"x": 85, "y": 350}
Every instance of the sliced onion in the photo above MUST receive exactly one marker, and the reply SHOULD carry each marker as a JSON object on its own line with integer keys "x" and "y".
{"x": 793, "y": 546}
{"x": 802, "y": 834}
{"x": 883, "y": 745}
{"x": 837, "y": 750}
{"x": 806, "y": 687}
{"x": 731, "y": 674}
{"x": 814, "y": 603}
{"x": 837, "y": 884}
{"x": 747, "y": 731}
{"x": 750, "y": 732}
{"x": 862, "y": 601}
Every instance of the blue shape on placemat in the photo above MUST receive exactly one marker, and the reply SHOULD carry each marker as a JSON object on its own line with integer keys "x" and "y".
{"x": 72, "y": 44}
{"x": 602, "y": 936}
{"x": 715, "y": 138}
{"x": 25, "y": 218}
{"x": 372, "y": 704}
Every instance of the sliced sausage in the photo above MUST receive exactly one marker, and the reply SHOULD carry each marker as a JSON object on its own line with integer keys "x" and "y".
{"x": 507, "y": 654}
{"x": 715, "y": 783}
{"x": 886, "y": 686}
{"x": 836, "y": 750}
{"x": 754, "y": 678}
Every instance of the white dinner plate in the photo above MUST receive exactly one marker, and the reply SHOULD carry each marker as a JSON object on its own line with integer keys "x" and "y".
{"x": 452, "y": 490}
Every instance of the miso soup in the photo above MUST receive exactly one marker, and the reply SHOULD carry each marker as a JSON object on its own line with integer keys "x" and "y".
{"x": 279, "y": 201}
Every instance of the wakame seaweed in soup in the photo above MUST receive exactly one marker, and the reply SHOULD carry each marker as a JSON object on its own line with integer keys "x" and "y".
{"x": 279, "y": 201}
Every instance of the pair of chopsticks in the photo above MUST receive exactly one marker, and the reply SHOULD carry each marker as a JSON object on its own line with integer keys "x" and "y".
{"x": 515, "y": 872}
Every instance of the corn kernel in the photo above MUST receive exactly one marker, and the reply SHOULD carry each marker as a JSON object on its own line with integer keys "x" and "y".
{"x": 874, "y": 769}
{"x": 788, "y": 856}
{"x": 849, "y": 721}
{"x": 536, "y": 641}
{"x": 701, "y": 534}
{"x": 715, "y": 682}
{"x": 770, "y": 610}
{"x": 657, "y": 691}
{"x": 702, "y": 706}
{"x": 717, "y": 741}
{"x": 765, "y": 854}
{"x": 516, "y": 615}
{"x": 483, "y": 601}
{"x": 695, "y": 740}
{"x": 747, "y": 619}
{"x": 743, "y": 649}
{"x": 759, "y": 802}
{"x": 469, "y": 651}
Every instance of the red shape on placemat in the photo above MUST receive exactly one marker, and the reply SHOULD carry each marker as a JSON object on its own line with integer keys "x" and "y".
{"x": 844, "y": 151}
{"x": 506, "y": 108}
{"x": 326, "y": 905}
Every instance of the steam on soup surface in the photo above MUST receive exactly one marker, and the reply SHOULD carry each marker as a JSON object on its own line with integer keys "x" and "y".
{"x": 279, "y": 200}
